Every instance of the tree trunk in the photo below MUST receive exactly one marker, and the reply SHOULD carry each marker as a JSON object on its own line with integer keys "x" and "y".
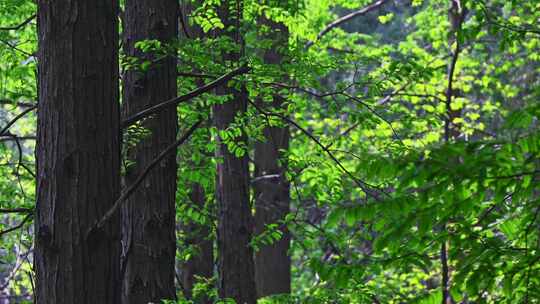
{"x": 78, "y": 152}
{"x": 272, "y": 197}
{"x": 235, "y": 260}
{"x": 148, "y": 217}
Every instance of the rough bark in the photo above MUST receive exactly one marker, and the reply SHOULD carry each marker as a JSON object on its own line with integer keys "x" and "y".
{"x": 78, "y": 152}
{"x": 272, "y": 193}
{"x": 148, "y": 217}
{"x": 235, "y": 223}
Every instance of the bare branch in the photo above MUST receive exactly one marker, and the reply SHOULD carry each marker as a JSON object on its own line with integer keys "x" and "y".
{"x": 346, "y": 18}
{"x": 18, "y": 26}
{"x": 20, "y": 225}
{"x": 195, "y": 75}
{"x": 175, "y": 101}
{"x": 366, "y": 188}
{"x": 129, "y": 191}
{"x": 14, "y": 120}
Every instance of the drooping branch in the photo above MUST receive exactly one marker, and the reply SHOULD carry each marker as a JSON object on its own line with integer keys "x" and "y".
{"x": 366, "y": 188}
{"x": 175, "y": 101}
{"x": 346, "y": 18}
{"x": 129, "y": 191}
{"x": 14, "y": 120}
{"x": 16, "y": 48}
{"x": 16, "y": 210}
{"x": 493, "y": 20}
{"x": 20, "y": 161}
{"x": 20, "y": 25}
{"x": 20, "y": 225}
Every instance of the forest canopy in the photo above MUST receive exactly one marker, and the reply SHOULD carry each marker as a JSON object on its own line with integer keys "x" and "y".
{"x": 272, "y": 151}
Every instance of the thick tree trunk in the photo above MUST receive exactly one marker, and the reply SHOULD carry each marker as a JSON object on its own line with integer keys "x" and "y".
{"x": 272, "y": 197}
{"x": 78, "y": 152}
{"x": 235, "y": 260}
{"x": 148, "y": 218}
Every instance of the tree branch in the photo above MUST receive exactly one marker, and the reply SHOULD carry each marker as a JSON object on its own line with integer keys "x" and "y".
{"x": 129, "y": 191}
{"x": 12, "y": 137}
{"x": 346, "y": 18}
{"x": 16, "y": 210}
{"x": 366, "y": 188}
{"x": 14, "y": 120}
{"x": 26, "y": 218}
{"x": 175, "y": 101}
{"x": 18, "y": 26}
{"x": 195, "y": 75}
{"x": 16, "y": 103}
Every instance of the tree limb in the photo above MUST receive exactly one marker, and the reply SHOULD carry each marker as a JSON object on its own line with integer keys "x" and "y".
{"x": 14, "y": 120}
{"x": 18, "y": 26}
{"x": 26, "y": 218}
{"x": 16, "y": 210}
{"x": 129, "y": 191}
{"x": 366, "y": 188}
{"x": 175, "y": 101}
{"x": 16, "y": 103}
{"x": 346, "y": 18}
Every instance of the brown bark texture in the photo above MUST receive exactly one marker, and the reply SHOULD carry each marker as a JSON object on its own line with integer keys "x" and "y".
{"x": 148, "y": 217}
{"x": 271, "y": 187}
{"x": 78, "y": 152}
{"x": 235, "y": 223}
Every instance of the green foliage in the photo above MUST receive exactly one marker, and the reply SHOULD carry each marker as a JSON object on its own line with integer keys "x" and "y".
{"x": 376, "y": 187}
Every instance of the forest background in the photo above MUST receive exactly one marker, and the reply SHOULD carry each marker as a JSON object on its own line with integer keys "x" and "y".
{"x": 389, "y": 150}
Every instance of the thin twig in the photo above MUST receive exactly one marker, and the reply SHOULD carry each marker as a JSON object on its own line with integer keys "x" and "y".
{"x": 366, "y": 188}
{"x": 346, "y": 18}
{"x": 195, "y": 75}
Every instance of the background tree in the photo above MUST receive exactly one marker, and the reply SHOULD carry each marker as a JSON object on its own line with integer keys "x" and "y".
{"x": 271, "y": 187}
{"x": 235, "y": 223}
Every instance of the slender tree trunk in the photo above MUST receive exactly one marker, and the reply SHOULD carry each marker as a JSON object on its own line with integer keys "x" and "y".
{"x": 148, "y": 218}
{"x": 456, "y": 15}
{"x": 78, "y": 152}
{"x": 235, "y": 260}
{"x": 272, "y": 197}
